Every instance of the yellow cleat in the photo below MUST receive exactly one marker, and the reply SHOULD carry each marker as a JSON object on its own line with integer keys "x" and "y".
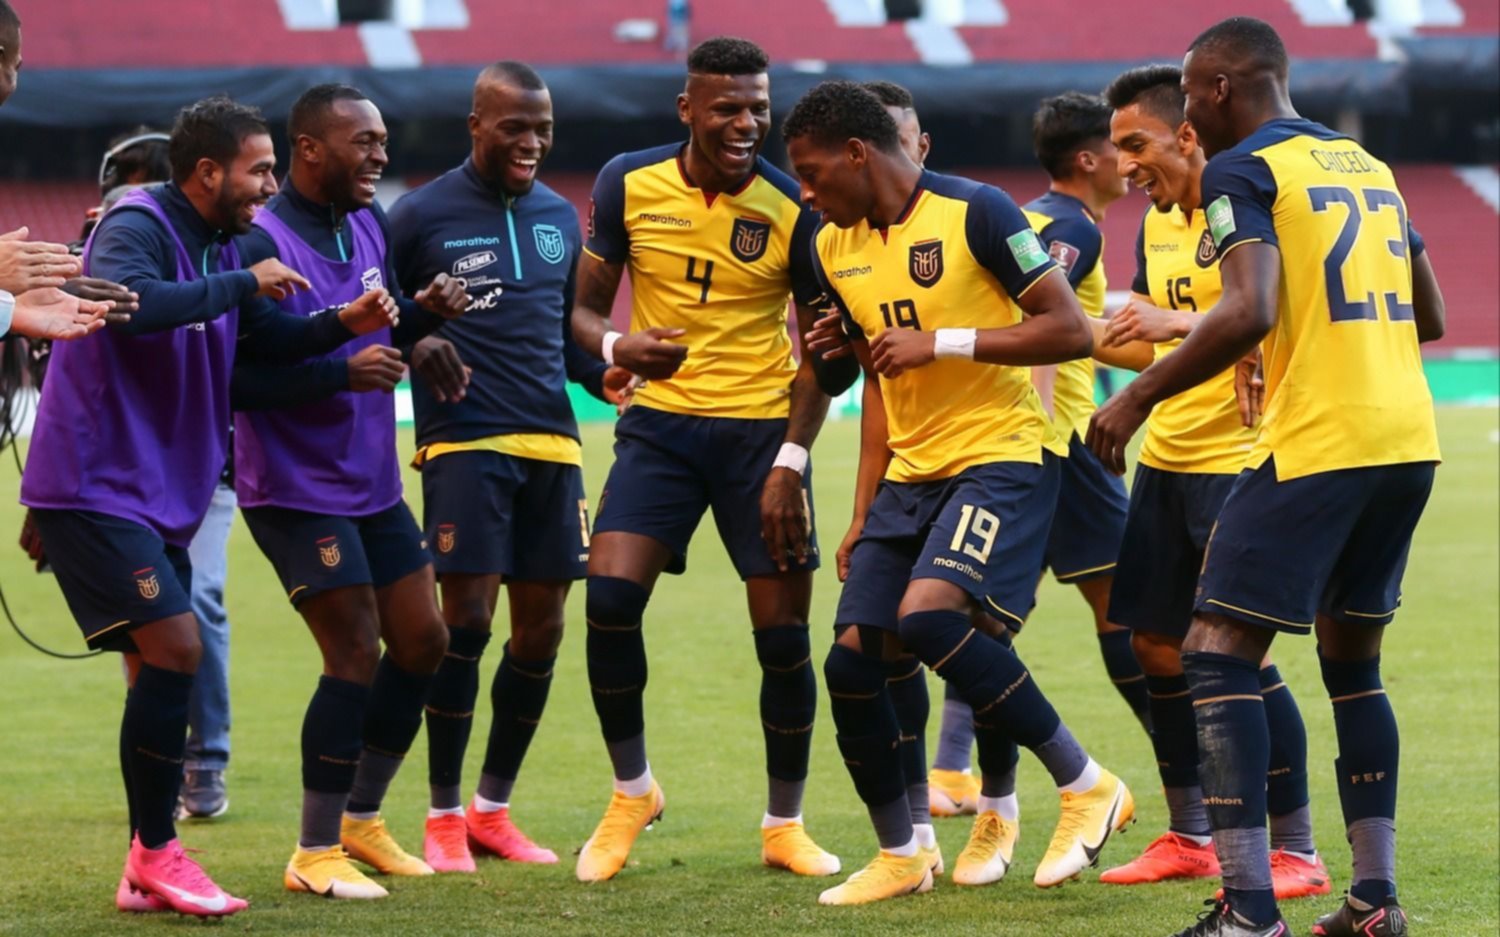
{"x": 952, "y": 793}
{"x": 328, "y": 872}
{"x": 789, "y": 847}
{"x": 605, "y": 853}
{"x": 1084, "y": 827}
{"x": 934, "y": 854}
{"x": 889, "y": 876}
{"x": 986, "y": 857}
{"x": 371, "y": 843}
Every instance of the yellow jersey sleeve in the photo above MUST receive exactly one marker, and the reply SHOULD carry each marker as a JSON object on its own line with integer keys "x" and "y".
{"x": 722, "y": 267}
{"x": 1199, "y": 430}
{"x": 956, "y": 258}
{"x": 1344, "y": 381}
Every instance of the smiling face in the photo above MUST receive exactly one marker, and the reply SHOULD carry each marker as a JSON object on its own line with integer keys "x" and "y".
{"x": 240, "y": 189}
{"x": 512, "y": 132}
{"x": 350, "y": 155}
{"x": 835, "y": 179}
{"x": 1154, "y": 156}
{"x": 730, "y": 117}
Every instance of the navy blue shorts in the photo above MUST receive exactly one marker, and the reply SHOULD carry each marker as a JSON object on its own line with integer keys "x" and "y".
{"x": 490, "y": 513}
{"x": 314, "y": 553}
{"x": 115, "y": 574}
{"x": 670, "y": 467}
{"x": 983, "y": 530}
{"x": 1171, "y": 517}
{"x": 1090, "y": 521}
{"x": 1334, "y": 544}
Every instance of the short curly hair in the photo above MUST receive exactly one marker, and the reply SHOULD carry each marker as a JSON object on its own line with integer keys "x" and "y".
{"x": 891, "y": 94}
{"x": 1245, "y": 39}
{"x": 212, "y": 128}
{"x": 727, "y": 55}
{"x": 835, "y": 111}
{"x": 1065, "y": 124}
{"x": 1156, "y": 89}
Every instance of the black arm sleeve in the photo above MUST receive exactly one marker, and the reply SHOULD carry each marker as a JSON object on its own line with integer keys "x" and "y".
{"x": 265, "y": 387}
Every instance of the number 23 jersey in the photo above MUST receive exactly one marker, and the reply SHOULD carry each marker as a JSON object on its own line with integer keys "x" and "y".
{"x": 1344, "y": 381}
{"x": 958, "y": 257}
{"x": 721, "y": 266}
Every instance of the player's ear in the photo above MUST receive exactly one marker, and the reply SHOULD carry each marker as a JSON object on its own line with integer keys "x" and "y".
{"x": 856, "y": 152}
{"x": 924, "y": 146}
{"x": 684, "y": 109}
{"x": 1187, "y": 138}
{"x": 208, "y": 173}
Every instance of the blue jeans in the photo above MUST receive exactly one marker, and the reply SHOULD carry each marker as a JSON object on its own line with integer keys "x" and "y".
{"x": 208, "y": 713}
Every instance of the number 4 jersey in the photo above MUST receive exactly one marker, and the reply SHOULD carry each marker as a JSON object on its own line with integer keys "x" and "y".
{"x": 720, "y": 266}
{"x": 958, "y": 257}
{"x": 1344, "y": 380}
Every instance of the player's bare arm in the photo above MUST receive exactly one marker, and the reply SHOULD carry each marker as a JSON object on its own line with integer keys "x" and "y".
{"x": 647, "y": 353}
{"x": 1427, "y": 300}
{"x": 874, "y": 454}
{"x": 1245, "y": 313}
{"x": 783, "y": 510}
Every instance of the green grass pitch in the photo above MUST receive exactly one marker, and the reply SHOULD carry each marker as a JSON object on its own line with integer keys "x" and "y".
{"x": 62, "y": 833}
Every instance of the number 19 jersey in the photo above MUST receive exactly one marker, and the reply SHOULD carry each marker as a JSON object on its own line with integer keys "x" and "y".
{"x": 721, "y": 266}
{"x": 1344, "y": 381}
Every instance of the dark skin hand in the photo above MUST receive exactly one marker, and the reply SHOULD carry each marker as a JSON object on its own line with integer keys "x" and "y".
{"x": 785, "y": 524}
{"x": 437, "y": 361}
{"x": 103, "y": 291}
{"x": 1232, "y": 329}
{"x": 648, "y": 353}
{"x": 445, "y": 296}
{"x": 376, "y": 367}
{"x": 31, "y": 542}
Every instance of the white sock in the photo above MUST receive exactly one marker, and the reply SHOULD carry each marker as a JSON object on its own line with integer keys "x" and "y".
{"x": 1084, "y": 781}
{"x": 1009, "y": 806}
{"x": 313, "y": 848}
{"x": 1194, "y": 839}
{"x": 636, "y": 787}
{"x": 483, "y": 805}
{"x": 444, "y": 812}
{"x": 768, "y": 821}
{"x": 907, "y": 851}
{"x": 926, "y": 836}
{"x": 1308, "y": 857}
{"x": 362, "y": 816}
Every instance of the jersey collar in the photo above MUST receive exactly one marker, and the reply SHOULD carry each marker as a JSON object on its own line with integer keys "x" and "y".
{"x": 708, "y": 197}
{"x": 906, "y": 211}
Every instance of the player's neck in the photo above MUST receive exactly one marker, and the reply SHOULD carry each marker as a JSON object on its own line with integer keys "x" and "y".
{"x": 1084, "y": 191}
{"x": 894, "y": 190}
{"x": 300, "y": 187}
{"x": 705, "y": 176}
{"x": 1273, "y": 104}
{"x": 1192, "y": 199}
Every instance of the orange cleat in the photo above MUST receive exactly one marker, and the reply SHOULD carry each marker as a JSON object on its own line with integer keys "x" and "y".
{"x": 1168, "y": 857}
{"x": 446, "y": 845}
{"x": 1294, "y": 877}
{"x": 494, "y": 832}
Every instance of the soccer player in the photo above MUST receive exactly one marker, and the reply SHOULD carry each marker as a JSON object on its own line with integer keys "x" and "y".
{"x": 961, "y": 516}
{"x": 1195, "y": 444}
{"x": 716, "y": 241}
{"x": 118, "y": 495}
{"x": 319, "y": 486}
{"x": 502, "y": 478}
{"x": 1318, "y": 260}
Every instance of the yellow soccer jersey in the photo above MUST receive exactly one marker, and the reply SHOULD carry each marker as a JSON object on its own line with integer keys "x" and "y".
{"x": 955, "y": 259}
{"x": 1344, "y": 380}
{"x": 1199, "y": 430}
{"x": 1072, "y": 238}
{"x": 722, "y": 267}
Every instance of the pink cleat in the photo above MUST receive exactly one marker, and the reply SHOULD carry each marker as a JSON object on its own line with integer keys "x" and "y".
{"x": 446, "y": 845}
{"x": 170, "y": 875}
{"x": 133, "y": 900}
{"x": 493, "y": 832}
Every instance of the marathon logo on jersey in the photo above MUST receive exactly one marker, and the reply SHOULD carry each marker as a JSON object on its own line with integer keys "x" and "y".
{"x": 147, "y": 585}
{"x": 371, "y": 279}
{"x": 926, "y": 263}
{"x": 478, "y": 260}
{"x": 447, "y": 537}
{"x": 549, "y": 242}
{"x": 1207, "y": 251}
{"x": 749, "y": 238}
{"x": 328, "y": 552}
{"x": 1065, "y": 254}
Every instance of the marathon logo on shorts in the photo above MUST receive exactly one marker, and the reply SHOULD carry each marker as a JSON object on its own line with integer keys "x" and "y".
{"x": 328, "y": 552}
{"x": 478, "y": 260}
{"x": 926, "y": 263}
{"x": 371, "y": 279}
{"x": 447, "y": 536}
{"x": 749, "y": 239}
{"x": 147, "y": 585}
{"x": 549, "y": 242}
{"x": 1207, "y": 251}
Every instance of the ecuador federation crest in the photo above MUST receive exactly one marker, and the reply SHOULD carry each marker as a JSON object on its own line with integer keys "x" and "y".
{"x": 1208, "y": 252}
{"x": 328, "y": 552}
{"x": 447, "y": 537}
{"x": 549, "y": 242}
{"x": 926, "y": 263}
{"x": 749, "y": 238}
{"x": 147, "y": 584}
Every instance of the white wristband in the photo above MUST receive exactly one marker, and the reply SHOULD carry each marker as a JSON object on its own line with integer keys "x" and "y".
{"x": 791, "y": 456}
{"x": 607, "y": 346}
{"x": 954, "y": 343}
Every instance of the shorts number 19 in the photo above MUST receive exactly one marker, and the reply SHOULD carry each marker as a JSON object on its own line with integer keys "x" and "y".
{"x": 983, "y": 525}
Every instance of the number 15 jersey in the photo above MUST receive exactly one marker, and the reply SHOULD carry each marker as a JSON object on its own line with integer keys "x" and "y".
{"x": 721, "y": 266}
{"x": 1344, "y": 381}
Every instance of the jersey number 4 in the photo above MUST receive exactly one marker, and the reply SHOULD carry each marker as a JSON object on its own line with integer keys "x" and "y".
{"x": 705, "y": 281}
{"x": 1340, "y": 306}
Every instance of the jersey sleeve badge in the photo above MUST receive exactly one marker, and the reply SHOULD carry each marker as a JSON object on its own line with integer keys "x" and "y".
{"x": 1221, "y": 219}
{"x": 1065, "y": 254}
{"x": 1026, "y": 248}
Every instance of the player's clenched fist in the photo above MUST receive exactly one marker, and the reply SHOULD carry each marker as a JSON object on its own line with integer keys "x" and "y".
{"x": 276, "y": 280}
{"x": 440, "y": 367}
{"x": 895, "y": 351}
{"x": 444, "y": 296}
{"x": 377, "y": 367}
{"x": 649, "y": 354}
{"x": 373, "y": 311}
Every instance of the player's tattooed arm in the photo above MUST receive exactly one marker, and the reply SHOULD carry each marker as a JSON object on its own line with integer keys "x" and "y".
{"x": 1427, "y": 299}
{"x": 647, "y": 353}
{"x": 1245, "y": 313}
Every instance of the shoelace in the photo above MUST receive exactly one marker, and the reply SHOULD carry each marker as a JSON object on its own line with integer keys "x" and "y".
{"x": 451, "y": 837}
{"x": 1068, "y": 825}
{"x": 616, "y": 822}
{"x": 183, "y": 868}
{"x": 987, "y": 831}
